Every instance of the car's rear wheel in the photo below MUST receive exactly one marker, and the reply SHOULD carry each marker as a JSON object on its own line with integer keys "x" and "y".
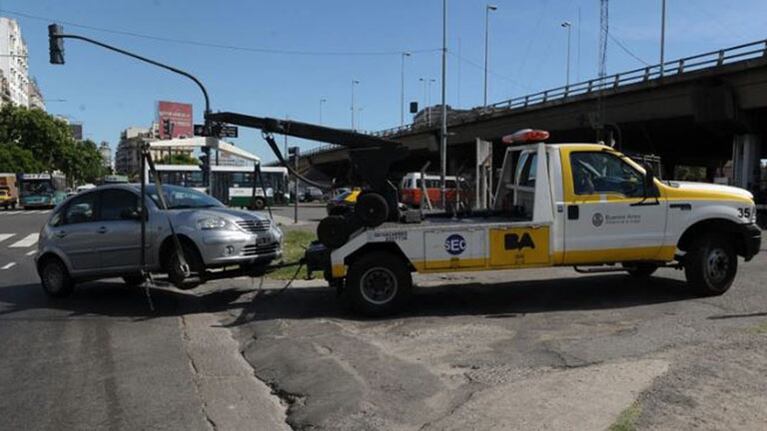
{"x": 710, "y": 264}
{"x": 378, "y": 284}
{"x": 55, "y": 278}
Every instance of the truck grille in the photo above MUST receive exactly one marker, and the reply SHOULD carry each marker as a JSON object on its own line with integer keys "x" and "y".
{"x": 253, "y": 250}
{"x": 254, "y": 225}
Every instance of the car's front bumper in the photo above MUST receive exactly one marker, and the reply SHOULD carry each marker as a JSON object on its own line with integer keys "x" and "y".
{"x": 752, "y": 240}
{"x": 222, "y": 248}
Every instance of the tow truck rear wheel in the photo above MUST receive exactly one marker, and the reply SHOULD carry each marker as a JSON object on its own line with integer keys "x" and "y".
{"x": 378, "y": 284}
{"x": 710, "y": 264}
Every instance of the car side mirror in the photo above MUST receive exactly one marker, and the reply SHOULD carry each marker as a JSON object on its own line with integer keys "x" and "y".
{"x": 650, "y": 190}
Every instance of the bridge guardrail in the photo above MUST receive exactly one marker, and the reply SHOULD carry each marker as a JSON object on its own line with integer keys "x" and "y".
{"x": 680, "y": 66}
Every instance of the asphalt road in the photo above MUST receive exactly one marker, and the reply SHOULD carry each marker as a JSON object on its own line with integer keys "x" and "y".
{"x": 535, "y": 349}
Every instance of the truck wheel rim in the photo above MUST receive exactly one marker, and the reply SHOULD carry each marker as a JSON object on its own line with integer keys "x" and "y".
{"x": 54, "y": 277}
{"x": 717, "y": 265}
{"x": 378, "y": 285}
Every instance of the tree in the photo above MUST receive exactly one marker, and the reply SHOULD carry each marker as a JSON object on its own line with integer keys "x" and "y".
{"x": 179, "y": 159}
{"x": 31, "y": 140}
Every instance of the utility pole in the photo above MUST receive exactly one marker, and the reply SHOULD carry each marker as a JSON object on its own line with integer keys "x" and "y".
{"x": 443, "y": 129}
{"x": 427, "y": 97}
{"x": 662, "y": 35}
{"x": 354, "y": 82}
{"x": 402, "y": 91}
{"x": 488, "y": 8}
{"x": 323, "y": 100}
{"x": 567, "y": 26}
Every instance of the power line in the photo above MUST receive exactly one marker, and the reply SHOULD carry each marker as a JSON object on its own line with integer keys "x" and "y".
{"x": 626, "y": 50}
{"x": 218, "y": 45}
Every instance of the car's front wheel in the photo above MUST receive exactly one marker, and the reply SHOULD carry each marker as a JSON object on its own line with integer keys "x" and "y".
{"x": 711, "y": 264}
{"x": 55, "y": 278}
{"x": 176, "y": 273}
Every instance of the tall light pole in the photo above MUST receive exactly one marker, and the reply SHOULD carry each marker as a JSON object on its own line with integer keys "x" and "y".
{"x": 323, "y": 100}
{"x": 402, "y": 91}
{"x": 488, "y": 8}
{"x": 662, "y": 34}
{"x": 443, "y": 129}
{"x": 354, "y": 82}
{"x": 568, "y": 26}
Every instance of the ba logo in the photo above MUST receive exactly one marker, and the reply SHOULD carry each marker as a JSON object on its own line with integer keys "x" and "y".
{"x": 455, "y": 244}
{"x": 514, "y": 242}
{"x": 597, "y": 219}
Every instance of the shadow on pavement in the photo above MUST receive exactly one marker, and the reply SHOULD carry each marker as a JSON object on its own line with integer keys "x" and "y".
{"x": 498, "y": 300}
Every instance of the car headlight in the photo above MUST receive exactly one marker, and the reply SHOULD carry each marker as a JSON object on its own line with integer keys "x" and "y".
{"x": 277, "y": 233}
{"x": 213, "y": 223}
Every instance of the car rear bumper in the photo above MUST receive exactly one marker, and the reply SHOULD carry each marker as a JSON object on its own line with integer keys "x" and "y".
{"x": 752, "y": 240}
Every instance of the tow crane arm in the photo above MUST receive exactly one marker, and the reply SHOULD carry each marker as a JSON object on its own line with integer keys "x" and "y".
{"x": 371, "y": 159}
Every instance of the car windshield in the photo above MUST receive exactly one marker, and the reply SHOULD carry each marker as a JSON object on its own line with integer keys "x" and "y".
{"x": 181, "y": 197}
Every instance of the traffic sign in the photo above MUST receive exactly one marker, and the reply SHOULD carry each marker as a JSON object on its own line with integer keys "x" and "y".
{"x": 223, "y": 131}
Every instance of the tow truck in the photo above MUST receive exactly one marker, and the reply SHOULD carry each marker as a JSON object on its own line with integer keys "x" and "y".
{"x": 581, "y": 205}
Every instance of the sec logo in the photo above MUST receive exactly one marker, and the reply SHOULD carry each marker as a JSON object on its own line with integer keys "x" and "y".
{"x": 455, "y": 244}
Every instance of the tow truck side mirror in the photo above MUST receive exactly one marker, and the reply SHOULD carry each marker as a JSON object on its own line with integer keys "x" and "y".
{"x": 650, "y": 190}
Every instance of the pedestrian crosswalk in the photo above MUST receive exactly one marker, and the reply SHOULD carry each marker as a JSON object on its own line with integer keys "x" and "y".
{"x": 12, "y": 240}
{"x": 22, "y": 212}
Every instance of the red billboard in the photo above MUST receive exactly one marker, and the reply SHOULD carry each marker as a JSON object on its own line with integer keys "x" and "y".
{"x": 174, "y": 120}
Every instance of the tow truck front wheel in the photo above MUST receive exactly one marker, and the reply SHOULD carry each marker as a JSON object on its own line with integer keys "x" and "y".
{"x": 378, "y": 284}
{"x": 710, "y": 265}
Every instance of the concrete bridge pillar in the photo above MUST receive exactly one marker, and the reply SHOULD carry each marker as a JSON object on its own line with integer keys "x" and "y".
{"x": 745, "y": 160}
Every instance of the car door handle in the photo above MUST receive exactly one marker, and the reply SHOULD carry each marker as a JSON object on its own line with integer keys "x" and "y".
{"x": 60, "y": 234}
{"x": 102, "y": 229}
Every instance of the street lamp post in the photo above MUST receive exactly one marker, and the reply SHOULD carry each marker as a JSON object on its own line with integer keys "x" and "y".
{"x": 402, "y": 91}
{"x": 662, "y": 34}
{"x": 354, "y": 82}
{"x": 323, "y": 100}
{"x": 567, "y": 25}
{"x": 488, "y": 8}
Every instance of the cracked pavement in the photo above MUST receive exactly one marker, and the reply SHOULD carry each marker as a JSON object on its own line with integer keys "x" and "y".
{"x": 536, "y": 349}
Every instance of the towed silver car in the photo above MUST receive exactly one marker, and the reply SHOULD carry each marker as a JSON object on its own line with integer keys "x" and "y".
{"x": 97, "y": 234}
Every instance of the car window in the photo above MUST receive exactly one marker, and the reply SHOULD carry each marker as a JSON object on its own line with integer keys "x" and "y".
{"x": 527, "y": 173}
{"x": 602, "y": 172}
{"x": 81, "y": 209}
{"x": 115, "y": 203}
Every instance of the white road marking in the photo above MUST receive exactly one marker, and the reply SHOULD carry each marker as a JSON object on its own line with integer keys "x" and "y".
{"x": 4, "y": 236}
{"x": 8, "y": 266}
{"x": 27, "y": 241}
{"x": 10, "y": 212}
{"x": 30, "y": 253}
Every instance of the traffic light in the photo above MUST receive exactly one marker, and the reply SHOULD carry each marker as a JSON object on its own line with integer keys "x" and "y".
{"x": 293, "y": 154}
{"x": 413, "y": 107}
{"x": 166, "y": 129}
{"x": 56, "y": 43}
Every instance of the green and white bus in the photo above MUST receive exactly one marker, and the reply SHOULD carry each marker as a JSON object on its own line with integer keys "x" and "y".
{"x": 232, "y": 185}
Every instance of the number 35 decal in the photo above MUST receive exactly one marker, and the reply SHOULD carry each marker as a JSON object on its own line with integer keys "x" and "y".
{"x": 744, "y": 212}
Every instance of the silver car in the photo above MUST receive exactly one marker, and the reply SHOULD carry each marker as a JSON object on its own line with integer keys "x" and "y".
{"x": 97, "y": 234}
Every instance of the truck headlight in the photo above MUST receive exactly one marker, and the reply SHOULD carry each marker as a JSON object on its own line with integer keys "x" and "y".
{"x": 213, "y": 223}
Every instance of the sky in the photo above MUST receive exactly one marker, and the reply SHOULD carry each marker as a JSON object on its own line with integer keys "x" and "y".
{"x": 280, "y": 58}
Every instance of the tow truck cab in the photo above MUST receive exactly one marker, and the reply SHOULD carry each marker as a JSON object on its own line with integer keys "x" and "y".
{"x": 582, "y": 205}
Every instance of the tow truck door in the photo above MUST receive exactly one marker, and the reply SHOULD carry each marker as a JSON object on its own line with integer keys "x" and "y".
{"x": 607, "y": 219}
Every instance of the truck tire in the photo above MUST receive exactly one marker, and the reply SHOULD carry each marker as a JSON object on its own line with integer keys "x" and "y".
{"x": 641, "y": 269}
{"x": 377, "y": 284}
{"x": 258, "y": 204}
{"x": 55, "y": 278}
{"x": 710, "y": 264}
{"x": 371, "y": 209}
{"x": 333, "y": 231}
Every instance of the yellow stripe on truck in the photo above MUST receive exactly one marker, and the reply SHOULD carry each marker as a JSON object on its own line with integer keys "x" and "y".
{"x": 610, "y": 255}
{"x": 338, "y": 271}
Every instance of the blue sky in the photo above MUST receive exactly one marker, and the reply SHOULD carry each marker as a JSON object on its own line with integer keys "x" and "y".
{"x": 331, "y": 42}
